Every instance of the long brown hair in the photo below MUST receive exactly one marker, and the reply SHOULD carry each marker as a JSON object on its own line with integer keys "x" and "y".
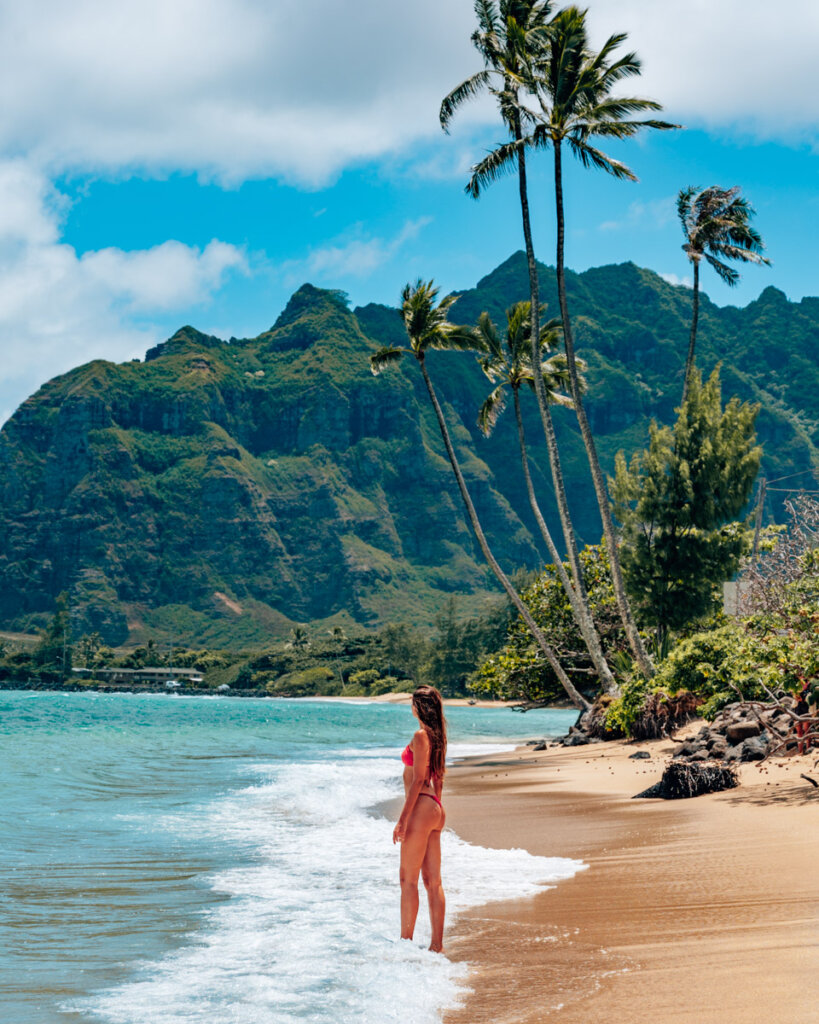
{"x": 430, "y": 708}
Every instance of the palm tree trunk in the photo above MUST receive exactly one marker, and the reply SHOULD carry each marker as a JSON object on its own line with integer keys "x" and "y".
{"x": 587, "y": 627}
{"x": 574, "y": 694}
{"x": 634, "y": 638}
{"x": 689, "y": 362}
{"x": 581, "y": 605}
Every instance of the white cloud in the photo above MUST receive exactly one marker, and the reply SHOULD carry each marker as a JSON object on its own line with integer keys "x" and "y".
{"x": 58, "y": 308}
{"x": 685, "y": 282}
{"x": 738, "y": 65}
{"x": 356, "y": 257}
{"x": 227, "y": 88}
{"x": 301, "y": 89}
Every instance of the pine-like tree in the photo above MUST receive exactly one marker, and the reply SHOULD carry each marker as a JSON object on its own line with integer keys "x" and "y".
{"x": 677, "y": 503}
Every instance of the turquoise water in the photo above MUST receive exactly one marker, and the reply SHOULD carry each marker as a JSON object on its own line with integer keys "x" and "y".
{"x": 170, "y": 859}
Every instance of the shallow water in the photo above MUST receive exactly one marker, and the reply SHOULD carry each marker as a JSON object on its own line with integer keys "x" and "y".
{"x": 167, "y": 859}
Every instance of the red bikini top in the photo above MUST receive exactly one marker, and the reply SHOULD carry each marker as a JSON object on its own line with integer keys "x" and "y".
{"x": 409, "y": 760}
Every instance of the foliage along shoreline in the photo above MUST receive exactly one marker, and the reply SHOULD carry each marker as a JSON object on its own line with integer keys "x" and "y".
{"x": 643, "y": 641}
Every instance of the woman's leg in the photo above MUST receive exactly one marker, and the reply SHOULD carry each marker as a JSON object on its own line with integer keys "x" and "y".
{"x": 413, "y": 848}
{"x": 431, "y": 872}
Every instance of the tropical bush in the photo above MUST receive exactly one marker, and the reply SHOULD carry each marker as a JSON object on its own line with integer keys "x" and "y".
{"x": 518, "y": 671}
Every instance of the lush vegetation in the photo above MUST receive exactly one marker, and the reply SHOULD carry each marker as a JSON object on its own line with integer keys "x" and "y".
{"x": 312, "y": 660}
{"x": 219, "y": 494}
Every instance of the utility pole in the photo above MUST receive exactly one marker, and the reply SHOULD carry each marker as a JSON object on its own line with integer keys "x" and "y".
{"x": 763, "y": 484}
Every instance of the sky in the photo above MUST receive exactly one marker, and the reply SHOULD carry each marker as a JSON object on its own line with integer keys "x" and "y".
{"x": 170, "y": 162}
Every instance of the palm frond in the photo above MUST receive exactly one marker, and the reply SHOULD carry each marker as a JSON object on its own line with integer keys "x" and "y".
{"x": 489, "y": 333}
{"x": 728, "y": 274}
{"x": 467, "y": 90}
{"x": 455, "y": 338}
{"x": 492, "y": 407}
{"x": 385, "y": 357}
{"x": 495, "y": 165}
{"x": 591, "y": 157}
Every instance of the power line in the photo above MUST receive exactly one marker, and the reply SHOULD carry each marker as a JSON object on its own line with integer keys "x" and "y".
{"x": 793, "y": 490}
{"x": 790, "y": 476}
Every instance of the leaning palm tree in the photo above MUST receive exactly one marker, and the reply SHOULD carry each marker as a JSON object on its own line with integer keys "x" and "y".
{"x": 716, "y": 225}
{"x": 508, "y": 365}
{"x": 574, "y": 89}
{"x": 511, "y": 34}
{"x": 427, "y": 326}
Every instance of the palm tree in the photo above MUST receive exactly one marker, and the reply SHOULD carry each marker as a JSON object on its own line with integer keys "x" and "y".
{"x": 716, "y": 223}
{"x": 511, "y": 365}
{"x": 573, "y": 86}
{"x": 427, "y": 326}
{"x": 299, "y": 638}
{"x": 509, "y": 37}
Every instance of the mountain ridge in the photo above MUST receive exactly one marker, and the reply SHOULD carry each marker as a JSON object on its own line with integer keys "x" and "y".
{"x": 277, "y": 472}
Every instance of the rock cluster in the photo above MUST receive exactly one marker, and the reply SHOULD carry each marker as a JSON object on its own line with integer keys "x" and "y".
{"x": 736, "y": 734}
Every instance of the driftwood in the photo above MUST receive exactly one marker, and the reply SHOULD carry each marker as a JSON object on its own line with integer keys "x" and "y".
{"x": 807, "y": 778}
{"x": 684, "y": 779}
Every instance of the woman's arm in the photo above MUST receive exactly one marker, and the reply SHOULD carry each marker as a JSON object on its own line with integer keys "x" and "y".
{"x": 420, "y": 766}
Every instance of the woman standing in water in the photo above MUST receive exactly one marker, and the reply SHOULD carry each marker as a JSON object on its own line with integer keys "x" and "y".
{"x": 422, "y": 817}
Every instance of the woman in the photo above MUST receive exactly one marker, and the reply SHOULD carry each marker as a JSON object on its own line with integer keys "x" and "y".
{"x": 422, "y": 817}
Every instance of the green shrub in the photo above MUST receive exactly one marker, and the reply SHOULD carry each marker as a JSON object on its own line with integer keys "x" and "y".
{"x": 624, "y": 710}
{"x": 306, "y": 682}
{"x": 365, "y": 678}
{"x": 386, "y": 684}
{"x": 712, "y": 663}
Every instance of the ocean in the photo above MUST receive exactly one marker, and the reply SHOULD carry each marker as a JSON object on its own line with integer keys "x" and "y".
{"x": 169, "y": 859}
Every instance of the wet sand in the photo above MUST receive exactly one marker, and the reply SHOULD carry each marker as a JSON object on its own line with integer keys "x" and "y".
{"x": 702, "y": 911}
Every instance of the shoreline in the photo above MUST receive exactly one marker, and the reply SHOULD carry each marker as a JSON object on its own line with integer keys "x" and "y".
{"x": 205, "y": 691}
{"x": 701, "y": 910}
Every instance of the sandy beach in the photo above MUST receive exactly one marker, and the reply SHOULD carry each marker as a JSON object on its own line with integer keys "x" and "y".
{"x": 703, "y": 910}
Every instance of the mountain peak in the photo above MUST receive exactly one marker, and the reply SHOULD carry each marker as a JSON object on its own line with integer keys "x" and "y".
{"x": 306, "y": 300}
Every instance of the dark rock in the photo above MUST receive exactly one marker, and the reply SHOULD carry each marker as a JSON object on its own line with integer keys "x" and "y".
{"x": 719, "y": 749}
{"x": 738, "y": 731}
{"x": 540, "y": 746}
{"x": 639, "y": 754}
{"x": 575, "y": 739}
{"x": 755, "y": 748}
{"x": 699, "y": 755}
{"x": 732, "y": 754}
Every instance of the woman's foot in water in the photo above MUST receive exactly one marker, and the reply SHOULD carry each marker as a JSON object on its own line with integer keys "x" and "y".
{"x": 436, "y": 949}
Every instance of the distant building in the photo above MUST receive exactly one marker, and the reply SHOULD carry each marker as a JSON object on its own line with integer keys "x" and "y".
{"x": 141, "y": 676}
{"x": 734, "y": 596}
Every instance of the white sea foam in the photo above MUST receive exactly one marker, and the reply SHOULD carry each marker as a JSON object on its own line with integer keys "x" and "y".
{"x": 308, "y": 931}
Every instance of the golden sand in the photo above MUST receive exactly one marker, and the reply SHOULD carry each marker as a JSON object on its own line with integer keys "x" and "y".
{"x": 702, "y": 911}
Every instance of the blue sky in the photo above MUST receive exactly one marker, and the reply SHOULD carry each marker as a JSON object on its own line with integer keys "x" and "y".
{"x": 169, "y": 163}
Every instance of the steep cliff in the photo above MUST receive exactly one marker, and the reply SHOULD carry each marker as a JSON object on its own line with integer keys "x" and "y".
{"x": 223, "y": 491}
{"x": 220, "y": 491}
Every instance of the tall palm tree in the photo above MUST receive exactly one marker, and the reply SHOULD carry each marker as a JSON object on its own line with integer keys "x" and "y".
{"x": 509, "y": 36}
{"x": 427, "y": 326}
{"x": 574, "y": 89}
{"x": 716, "y": 223}
{"x": 509, "y": 363}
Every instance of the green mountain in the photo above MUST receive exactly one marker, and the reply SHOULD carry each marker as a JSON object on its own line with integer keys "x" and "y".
{"x": 219, "y": 492}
